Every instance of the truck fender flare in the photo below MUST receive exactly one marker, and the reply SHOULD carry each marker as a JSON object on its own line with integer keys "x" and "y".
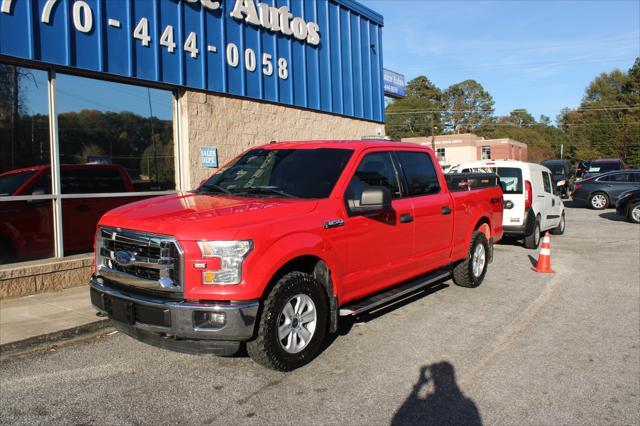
{"x": 326, "y": 267}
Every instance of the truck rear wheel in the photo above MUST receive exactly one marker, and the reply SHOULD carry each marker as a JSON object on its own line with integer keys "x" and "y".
{"x": 471, "y": 271}
{"x": 292, "y": 325}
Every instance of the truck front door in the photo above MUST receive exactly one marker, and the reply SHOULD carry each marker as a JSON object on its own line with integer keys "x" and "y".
{"x": 379, "y": 247}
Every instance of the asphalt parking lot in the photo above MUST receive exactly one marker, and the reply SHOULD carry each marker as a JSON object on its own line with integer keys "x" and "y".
{"x": 524, "y": 348}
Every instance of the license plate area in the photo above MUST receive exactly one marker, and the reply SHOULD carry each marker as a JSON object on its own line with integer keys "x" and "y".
{"x": 120, "y": 310}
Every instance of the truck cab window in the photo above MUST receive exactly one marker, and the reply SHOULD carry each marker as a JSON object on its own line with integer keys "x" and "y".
{"x": 375, "y": 169}
{"x": 420, "y": 174}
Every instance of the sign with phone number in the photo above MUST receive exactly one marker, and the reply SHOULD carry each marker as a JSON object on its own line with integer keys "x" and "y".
{"x": 272, "y": 50}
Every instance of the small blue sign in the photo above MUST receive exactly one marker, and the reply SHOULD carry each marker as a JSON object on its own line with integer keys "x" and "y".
{"x": 393, "y": 84}
{"x": 209, "y": 157}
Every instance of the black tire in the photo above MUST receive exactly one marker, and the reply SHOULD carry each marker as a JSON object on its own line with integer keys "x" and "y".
{"x": 266, "y": 349}
{"x": 630, "y": 212}
{"x": 559, "y": 230}
{"x": 463, "y": 272}
{"x": 598, "y": 194}
{"x": 532, "y": 240}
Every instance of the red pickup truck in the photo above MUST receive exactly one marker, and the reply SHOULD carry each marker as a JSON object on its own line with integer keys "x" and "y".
{"x": 286, "y": 238}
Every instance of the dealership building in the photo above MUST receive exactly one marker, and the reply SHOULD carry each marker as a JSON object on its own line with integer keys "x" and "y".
{"x": 467, "y": 147}
{"x": 107, "y": 102}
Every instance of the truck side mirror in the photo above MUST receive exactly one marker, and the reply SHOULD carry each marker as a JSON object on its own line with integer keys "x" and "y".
{"x": 374, "y": 199}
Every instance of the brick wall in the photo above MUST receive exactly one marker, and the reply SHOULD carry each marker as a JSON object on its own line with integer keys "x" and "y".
{"x": 233, "y": 125}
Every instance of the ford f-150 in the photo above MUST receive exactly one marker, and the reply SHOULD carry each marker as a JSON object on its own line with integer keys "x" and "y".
{"x": 273, "y": 248}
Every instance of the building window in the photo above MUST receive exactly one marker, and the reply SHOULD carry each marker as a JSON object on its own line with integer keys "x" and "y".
{"x": 440, "y": 152}
{"x": 486, "y": 153}
{"x": 26, "y": 201}
{"x": 115, "y": 144}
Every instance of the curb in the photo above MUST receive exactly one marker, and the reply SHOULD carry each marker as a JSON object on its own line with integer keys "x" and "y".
{"x": 38, "y": 342}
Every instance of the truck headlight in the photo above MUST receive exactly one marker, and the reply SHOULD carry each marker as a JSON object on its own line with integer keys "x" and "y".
{"x": 231, "y": 254}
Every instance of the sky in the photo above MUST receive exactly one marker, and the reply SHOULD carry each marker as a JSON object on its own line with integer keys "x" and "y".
{"x": 539, "y": 55}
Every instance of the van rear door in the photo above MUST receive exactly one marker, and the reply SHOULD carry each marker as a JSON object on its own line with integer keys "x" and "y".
{"x": 513, "y": 189}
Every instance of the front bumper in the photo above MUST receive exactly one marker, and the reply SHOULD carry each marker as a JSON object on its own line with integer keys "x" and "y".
{"x": 171, "y": 323}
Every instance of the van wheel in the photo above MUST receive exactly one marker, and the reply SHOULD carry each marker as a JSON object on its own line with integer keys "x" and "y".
{"x": 292, "y": 325}
{"x": 598, "y": 201}
{"x": 532, "y": 241}
{"x": 471, "y": 271}
{"x": 559, "y": 230}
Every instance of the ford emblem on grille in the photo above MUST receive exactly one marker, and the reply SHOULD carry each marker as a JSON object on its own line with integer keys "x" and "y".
{"x": 124, "y": 258}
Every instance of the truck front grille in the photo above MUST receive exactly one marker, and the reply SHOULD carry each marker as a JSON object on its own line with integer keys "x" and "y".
{"x": 139, "y": 259}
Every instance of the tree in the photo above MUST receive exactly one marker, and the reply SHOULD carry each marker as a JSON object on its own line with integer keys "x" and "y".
{"x": 520, "y": 117}
{"x": 607, "y": 123}
{"x": 467, "y": 106}
{"x": 418, "y": 112}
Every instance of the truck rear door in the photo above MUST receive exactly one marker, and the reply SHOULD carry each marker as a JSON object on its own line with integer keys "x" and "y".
{"x": 432, "y": 208}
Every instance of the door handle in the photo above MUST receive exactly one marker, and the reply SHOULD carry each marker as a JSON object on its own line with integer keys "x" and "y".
{"x": 495, "y": 200}
{"x": 406, "y": 218}
{"x": 553, "y": 203}
{"x": 446, "y": 210}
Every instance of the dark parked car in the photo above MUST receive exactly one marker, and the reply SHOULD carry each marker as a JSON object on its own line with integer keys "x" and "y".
{"x": 628, "y": 205}
{"x": 562, "y": 175}
{"x": 598, "y": 167}
{"x": 601, "y": 191}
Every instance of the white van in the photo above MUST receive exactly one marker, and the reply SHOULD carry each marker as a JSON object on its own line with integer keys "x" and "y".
{"x": 532, "y": 203}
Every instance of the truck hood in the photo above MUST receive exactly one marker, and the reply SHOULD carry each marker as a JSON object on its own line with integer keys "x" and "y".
{"x": 189, "y": 216}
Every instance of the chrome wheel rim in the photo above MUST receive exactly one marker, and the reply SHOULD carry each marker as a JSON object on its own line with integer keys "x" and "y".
{"x": 297, "y": 323}
{"x": 598, "y": 201}
{"x": 635, "y": 213}
{"x": 478, "y": 260}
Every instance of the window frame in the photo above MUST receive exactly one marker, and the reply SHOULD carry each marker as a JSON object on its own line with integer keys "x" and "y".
{"x": 358, "y": 162}
{"x": 56, "y": 196}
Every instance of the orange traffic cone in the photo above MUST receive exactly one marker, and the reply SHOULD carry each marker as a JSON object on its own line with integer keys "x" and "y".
{"x": 544, "y": 259}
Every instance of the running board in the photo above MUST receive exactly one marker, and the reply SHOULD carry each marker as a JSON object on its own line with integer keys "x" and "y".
{"x": 393, "y": 293}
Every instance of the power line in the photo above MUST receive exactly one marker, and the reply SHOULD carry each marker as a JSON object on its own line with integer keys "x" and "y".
{"x": 424, "y": 111}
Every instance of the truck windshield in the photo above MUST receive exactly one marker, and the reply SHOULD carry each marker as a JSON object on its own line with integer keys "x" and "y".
{"x": 291, "y": 173}
{"x": 10, "y": 183}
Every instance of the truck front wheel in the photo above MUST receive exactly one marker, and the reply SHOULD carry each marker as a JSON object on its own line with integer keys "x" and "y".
{"x": 292, "y": 325}
{"x": 471, "y": 271}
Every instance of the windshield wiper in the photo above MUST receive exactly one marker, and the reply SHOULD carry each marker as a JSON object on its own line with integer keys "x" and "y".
{"x": 213, "y": 187}
{"x": 266, "y": 190}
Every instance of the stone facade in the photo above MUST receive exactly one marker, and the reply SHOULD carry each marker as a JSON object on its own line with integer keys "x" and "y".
{"x": 39, "y": 276}
{"x": 232, "y": 125}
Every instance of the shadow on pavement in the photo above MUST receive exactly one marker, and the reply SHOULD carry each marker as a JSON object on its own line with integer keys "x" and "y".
{"x": 436, "y": 399}
{"x": 571, "y": 204}
{"x": 612, "y": 216}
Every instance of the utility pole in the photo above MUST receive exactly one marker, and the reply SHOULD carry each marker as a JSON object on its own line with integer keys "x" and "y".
{"x": 433, "y": 136}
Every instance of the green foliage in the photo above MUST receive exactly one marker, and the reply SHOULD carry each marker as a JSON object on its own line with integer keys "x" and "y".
{"x": 607, "y": 123}
{"x": 467, "y": 106}
{"x": 415, "y": 114}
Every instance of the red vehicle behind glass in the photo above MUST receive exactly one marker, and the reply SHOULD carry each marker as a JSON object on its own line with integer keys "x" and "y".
{"x": 26, "y": 226}
{"x": 273, "y": 248}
